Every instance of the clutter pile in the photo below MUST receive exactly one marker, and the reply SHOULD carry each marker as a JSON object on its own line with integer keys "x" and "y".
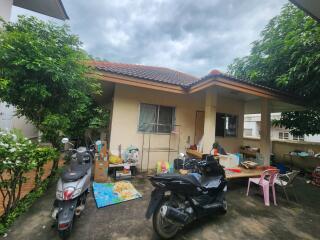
{"x": 164, "y": 167}
{"x": 120, "y": 166}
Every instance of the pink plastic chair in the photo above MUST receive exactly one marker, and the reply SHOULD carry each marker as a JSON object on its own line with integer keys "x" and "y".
{"x": 266, "y": 180}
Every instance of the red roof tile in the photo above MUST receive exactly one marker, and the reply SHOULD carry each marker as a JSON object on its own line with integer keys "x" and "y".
{"x": 157, "y": 74}
{"x": 167, "y": 75}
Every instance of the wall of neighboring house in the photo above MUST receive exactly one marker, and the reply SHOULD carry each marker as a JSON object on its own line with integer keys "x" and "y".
{"x": 125, "y": 118}
{"x": 5, "y": 9}
{"x": 8, "y": 120}
{"x": 252, "y": 129}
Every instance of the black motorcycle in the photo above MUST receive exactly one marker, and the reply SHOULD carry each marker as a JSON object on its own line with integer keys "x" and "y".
{"x": 180, "y": 199}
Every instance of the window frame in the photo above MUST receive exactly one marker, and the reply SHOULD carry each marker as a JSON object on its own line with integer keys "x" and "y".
{"x": 247, "y": 135}
{"x": 283, "y": 134}
{"x": 156, "y": 131}
{"x": 298, "y": 138}
{"x": 224, "y": 115}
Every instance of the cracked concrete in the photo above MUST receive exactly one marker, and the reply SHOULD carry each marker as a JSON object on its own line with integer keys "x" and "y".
{"x": 247, "y": 218}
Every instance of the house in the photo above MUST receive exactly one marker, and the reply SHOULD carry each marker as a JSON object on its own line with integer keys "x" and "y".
{"x": 52, "y": 8}
{"x": 252, "y": 130}
{"x": 163, "y": 111}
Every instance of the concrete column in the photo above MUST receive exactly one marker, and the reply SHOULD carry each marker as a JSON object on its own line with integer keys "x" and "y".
{"x": 5, "y": 9}
{"x": 265, "y": 139}
{"x": 209, "y": 120}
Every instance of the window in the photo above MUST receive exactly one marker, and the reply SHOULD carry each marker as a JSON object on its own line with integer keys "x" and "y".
{"x": 155, "y": 118}
{"x": 298, "y": 138}
{"x": 284, "y": 135}
{"x": 226, "y": 125}
{"x": 247, "y": 132}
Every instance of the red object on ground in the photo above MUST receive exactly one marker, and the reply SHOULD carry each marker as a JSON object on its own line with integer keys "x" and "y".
{"x": 236, "y": 170}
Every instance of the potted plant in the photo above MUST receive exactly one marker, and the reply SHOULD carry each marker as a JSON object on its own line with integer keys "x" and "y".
{"x": 215, "y": 148}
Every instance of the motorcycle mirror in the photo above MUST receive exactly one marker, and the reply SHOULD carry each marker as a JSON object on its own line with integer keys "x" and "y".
{"x": 65, "y": 140}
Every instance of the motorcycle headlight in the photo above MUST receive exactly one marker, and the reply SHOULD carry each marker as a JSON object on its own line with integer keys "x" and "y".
{"x": 76, "y": 192}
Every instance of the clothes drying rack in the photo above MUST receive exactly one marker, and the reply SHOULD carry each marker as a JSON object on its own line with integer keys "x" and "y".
{"x": 147, "y": 143}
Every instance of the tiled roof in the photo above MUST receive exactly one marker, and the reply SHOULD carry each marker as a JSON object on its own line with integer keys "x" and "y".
{"x": 216, "y": 73}
{"x": 156, "y": 74}
{"x": 166, "y": 75}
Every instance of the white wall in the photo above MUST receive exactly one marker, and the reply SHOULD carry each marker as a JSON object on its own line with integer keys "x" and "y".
{"x": 8, "y": 121}
{"x": 5, "y": 9}
{"x": 252, "y": 121}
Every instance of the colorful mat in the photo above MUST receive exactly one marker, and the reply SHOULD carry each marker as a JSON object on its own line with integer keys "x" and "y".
{"x": 112, "y": 193}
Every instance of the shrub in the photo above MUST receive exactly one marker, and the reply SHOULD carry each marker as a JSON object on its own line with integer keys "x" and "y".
{"x": 18, "y": 155}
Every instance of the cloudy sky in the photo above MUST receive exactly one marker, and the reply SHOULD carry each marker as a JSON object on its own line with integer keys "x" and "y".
{"x": 191, "y": 36}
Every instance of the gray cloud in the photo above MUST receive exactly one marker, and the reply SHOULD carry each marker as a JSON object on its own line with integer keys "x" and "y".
{"x": 187, "y": 35}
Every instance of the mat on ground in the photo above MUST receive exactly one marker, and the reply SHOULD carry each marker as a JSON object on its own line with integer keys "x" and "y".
{"x": 107, "y": 194}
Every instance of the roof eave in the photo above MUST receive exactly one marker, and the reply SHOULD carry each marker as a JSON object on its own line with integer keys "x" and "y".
{"x": 51, "y": 8}
{"x": 226, "y": 82}
{"x": 311, "y": 7}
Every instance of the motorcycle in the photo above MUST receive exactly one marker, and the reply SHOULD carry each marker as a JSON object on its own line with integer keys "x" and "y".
{"x": 177, "y": 200}
{"x": 72, "y": 189}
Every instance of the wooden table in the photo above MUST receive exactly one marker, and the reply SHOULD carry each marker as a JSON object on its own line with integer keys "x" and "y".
{"x": 245, "y": 173}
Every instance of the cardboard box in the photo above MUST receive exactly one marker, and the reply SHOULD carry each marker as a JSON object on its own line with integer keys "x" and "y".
{"x": 101, "y": 171}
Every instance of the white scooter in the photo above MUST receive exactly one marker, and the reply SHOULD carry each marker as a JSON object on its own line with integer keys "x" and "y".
{"x": 72, "y": 189}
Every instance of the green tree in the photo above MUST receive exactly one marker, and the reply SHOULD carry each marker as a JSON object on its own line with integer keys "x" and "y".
{"x": 287, "y": 57}
{"x": 43, "y": 73}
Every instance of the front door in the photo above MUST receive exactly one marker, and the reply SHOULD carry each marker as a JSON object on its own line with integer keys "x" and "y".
{"x": 199, "y": 126}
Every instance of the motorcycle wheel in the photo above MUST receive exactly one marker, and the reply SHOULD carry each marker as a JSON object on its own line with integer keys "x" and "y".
{"x": 65, "y": 234}
{"x": 162, "y": 226}
{"x": 224, "y": 208}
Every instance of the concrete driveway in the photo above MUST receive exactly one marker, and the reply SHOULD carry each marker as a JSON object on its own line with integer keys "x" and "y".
{"x": 247, "y": 218}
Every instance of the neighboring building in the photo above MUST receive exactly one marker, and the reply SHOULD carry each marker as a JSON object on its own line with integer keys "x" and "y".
{"x": 163, "y": 111}
{"x": 252, "y": 123}
{"x": 311, "y": 7}
{"x": 52, "y": 8}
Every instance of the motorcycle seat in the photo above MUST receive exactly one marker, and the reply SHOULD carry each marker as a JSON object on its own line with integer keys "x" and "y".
{"x": 210, "y": 182}
{"x": 207, "y": 181}
{"x": 75, "y": 172}
{"x": 188, "y": 178}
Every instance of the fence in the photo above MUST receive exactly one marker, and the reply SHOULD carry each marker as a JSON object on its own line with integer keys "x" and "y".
{"x": 281, "y": 148}
{"x": 29, "y": 185}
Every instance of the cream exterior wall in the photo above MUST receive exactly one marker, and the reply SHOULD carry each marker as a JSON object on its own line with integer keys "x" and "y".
{"x": 125, "y": 117}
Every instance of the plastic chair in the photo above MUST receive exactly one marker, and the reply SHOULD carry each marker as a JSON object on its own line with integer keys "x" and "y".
{"x": 286, "y": 180}
{"x": 266, "y": 180}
